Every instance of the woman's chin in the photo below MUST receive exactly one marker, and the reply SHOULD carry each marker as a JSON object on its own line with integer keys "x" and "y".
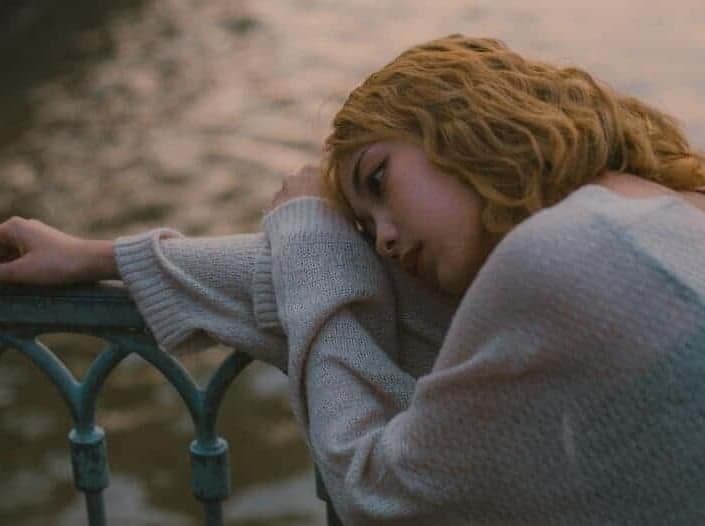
{"x": 454, "y": 285}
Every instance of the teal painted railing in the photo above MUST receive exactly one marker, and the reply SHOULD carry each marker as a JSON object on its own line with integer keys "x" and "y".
{"x": 105, "y": 310}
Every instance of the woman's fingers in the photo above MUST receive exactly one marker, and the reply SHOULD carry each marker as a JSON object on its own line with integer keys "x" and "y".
{"x": 305, "y": 182}
{"x": 13, "y": 271}
{"x": 11, "y": 233}
{"x": 10, "y": 248}
{"x": 8, "y": 253}
{"x": 15, "y": 260}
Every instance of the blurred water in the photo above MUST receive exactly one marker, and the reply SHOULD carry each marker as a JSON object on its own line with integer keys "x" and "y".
{"x": 123, "y": 115}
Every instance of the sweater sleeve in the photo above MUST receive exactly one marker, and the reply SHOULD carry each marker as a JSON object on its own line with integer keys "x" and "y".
{"x": 554, "y": 380}
{"x": 196, "y": 292}
{"x": 339, "y": 312}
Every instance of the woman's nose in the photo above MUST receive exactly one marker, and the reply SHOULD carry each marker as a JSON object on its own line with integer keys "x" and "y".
{"x": 386, "y": 240}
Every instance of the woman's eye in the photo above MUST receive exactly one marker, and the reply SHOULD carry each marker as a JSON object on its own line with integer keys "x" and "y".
{"x": 375, "y": 180}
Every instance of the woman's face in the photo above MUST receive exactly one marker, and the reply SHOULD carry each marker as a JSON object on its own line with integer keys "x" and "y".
{"x": 425, "y": 219}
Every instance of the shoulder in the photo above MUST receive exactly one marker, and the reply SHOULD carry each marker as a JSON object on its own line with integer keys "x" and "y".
{"x": 570, "y": 277}
{"x": 590, "y": 224}
{"x": 569, "y": 257}
{"x": 632, "y": 186}
{"x": 557, "y": 241}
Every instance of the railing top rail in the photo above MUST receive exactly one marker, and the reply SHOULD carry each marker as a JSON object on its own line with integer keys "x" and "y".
{"x": 100, "y": 306}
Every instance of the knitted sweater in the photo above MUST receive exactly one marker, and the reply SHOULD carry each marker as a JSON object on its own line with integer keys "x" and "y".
{"x": 567, "y": 390}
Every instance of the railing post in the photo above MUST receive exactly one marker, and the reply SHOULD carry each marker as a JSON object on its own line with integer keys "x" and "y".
{"x": 210, "y": 477}
{"x": 106, "y": 311}
{"x": 89, "y": 460}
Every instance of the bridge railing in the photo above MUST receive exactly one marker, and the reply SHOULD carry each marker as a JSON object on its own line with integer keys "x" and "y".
{"x": 105, "y": 310}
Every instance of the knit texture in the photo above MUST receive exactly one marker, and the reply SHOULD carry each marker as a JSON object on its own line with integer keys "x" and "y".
{"x": 568, "y": 389}
{"x": 195, "y": 292}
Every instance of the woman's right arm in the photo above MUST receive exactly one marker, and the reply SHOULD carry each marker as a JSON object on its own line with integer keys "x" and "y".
{"x": 192, "y": 292}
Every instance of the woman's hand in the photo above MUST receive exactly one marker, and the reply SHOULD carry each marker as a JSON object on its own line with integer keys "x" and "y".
{"x": 34, "y": 253}
{"x": 305, "y": 182}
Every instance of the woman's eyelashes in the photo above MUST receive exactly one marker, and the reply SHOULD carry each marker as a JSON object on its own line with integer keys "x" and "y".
{"x": 374, "y": 184}
{"x": 375, "y": 181}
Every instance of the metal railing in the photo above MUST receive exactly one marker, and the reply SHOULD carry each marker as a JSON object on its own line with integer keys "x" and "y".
{"x": 105, "y": 310}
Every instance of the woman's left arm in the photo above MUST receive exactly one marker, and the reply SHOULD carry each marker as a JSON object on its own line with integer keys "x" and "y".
{"x": 338, "y": 312}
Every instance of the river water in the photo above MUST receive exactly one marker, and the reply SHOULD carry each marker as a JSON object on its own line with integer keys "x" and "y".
{"x": 125, "y": 115}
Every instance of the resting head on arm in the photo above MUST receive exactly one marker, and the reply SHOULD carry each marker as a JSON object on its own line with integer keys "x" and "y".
{"x": 436, "y": 158}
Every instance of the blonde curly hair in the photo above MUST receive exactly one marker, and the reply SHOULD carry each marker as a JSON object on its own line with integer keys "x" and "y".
{"x": 523, "y": 133}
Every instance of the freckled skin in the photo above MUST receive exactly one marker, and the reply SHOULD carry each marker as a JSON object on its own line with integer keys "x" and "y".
{"x": 420, "y": 204}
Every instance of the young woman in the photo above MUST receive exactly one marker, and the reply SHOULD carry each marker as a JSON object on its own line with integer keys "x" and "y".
{"x": 518, "y": 335}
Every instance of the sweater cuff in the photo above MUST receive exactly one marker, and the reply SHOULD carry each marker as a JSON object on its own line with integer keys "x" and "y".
{"x": 263, "y": 297}
{"x": 139, "y": 267}
{"x": 312, "y": 215}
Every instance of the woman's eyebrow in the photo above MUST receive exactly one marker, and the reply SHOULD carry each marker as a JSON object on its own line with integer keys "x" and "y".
{"x": 356, "y": 172}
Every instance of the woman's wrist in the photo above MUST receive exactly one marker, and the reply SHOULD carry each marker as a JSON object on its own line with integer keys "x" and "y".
{"x": 98, "y": 261}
